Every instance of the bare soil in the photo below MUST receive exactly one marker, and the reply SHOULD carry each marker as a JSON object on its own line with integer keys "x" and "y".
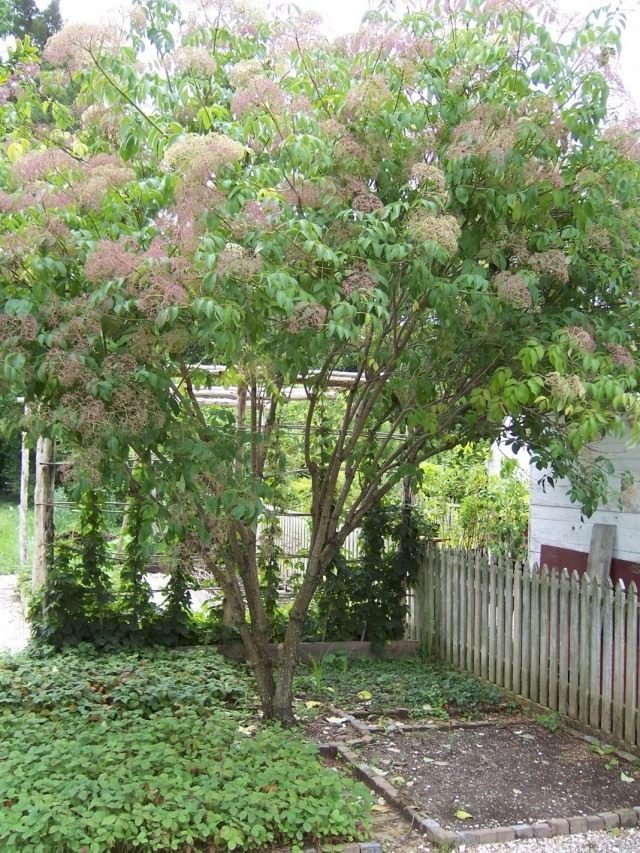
{"x": 510, "y": 771}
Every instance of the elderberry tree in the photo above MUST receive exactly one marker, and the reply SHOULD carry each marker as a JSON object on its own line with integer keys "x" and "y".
{"x": 439, "y": 205}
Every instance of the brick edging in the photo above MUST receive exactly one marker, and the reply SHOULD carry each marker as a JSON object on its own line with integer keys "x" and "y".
{"x": 628, "y": 817}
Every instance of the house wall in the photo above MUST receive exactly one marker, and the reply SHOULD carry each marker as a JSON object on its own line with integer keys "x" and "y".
{"x": 560, "y": 536}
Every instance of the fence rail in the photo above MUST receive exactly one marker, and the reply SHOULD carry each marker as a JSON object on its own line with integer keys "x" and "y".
{"x": 562, "y": 640}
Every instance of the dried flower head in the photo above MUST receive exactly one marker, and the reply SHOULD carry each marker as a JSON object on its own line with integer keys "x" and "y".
{"x": 307, "y": 315}
{"x": 580, "y": 338}
{"x": 513, "y": 289}
{"x": 444, "y": 231}
{"x": 553, "y": 263}
{"x": 569, "y": 387}
{"x": 425, "y": 176}
{"x": 358, "y": 280}
{"x": 18, "y": 328}
{"x": 621, "y": 356}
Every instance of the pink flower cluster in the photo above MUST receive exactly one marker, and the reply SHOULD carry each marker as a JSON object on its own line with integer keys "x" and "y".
{"x": 513, "y": 289}
{"x": 543, "y": 172}
{"x": 367, "y": 98}
{"x": 624, "y": 137}
{"x": 299, "y": 192}
{"x": 235, "y": 261}
{"x": 256, "y": 216}
{"x": 34, "y": 165}
{"x": 111, "y": 259}
{"x": 75, "y": 46}
{"x": 196, "y": 60}
{"x": 243, "y": 72}
{"x": 100, "y": 174}
{"x": 258, "y": 93}
{"x": 484, "y": 134}
{"x": 198, "y": 157}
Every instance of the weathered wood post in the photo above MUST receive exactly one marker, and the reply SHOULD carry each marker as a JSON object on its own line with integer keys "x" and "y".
{"x": 43, "y": 512}
{"x": 23, "y": 548}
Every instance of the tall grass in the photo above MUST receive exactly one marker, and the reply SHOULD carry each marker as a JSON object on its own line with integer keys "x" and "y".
{"x": 9, "y": 535}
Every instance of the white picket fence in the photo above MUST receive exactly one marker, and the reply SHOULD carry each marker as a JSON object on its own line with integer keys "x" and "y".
{"x": 558, "y": 639}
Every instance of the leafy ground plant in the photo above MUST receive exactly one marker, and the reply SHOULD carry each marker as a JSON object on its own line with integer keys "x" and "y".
{"x": 425, "y": 689}
{"x": 144, "y": 753}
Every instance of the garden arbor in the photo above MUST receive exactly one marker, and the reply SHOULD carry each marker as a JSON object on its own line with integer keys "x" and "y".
{"x": 438, "y": 204}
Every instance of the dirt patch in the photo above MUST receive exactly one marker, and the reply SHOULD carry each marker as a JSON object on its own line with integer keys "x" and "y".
{"x": 501, "y": 774}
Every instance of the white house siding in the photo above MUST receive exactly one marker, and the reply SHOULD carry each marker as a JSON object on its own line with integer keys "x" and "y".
{"x": 558, "y": 533}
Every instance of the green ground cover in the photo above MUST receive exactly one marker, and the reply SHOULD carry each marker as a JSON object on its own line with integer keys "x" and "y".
{"x": 423, "y": 688}
{"x": 155, "y": 751}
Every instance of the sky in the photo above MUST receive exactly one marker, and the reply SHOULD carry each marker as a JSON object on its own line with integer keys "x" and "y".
{"x": 341, "y": 16}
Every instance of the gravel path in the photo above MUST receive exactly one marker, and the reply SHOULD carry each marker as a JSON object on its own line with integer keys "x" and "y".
{"x": 627, "y": 841}
{"x": 14, "y": 631}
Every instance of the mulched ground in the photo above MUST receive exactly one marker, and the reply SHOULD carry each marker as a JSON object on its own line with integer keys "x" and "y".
{"x": 510, "y": 771}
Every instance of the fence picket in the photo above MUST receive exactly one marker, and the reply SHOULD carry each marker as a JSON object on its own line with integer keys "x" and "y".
{"x": 517, "y": 630}
{"x": 525, "y": 639}
{"x": 543, "y": 682}
{"x": 484, "y": 621}
{"x": 631, "y": 664}
{"x": 563, "y": 642}
{"x": 574, "y": 644}
{"x": 477, "y": 611}
{"x": 618, "y": 660}
{"x": 607, "y": 655}
{"x": 455, "y": 605}
{"x": 595, "y": 653}
{"x": 534, "y": 638}
{"x": 585, "y": 649}
{"x": 508, "y": 629}
{"x": 491, "y": 622}
{"x": 503, "y": 571}
{"x": 470, "y": 615}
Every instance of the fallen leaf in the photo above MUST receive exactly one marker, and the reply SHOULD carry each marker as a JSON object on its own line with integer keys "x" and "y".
{"x": 380, "y": 808}
{"x": 364, "y": 694}
{"x": 625, "y": 778}
{"x": 336, "y": 721}
{"x": 461, "y": 814}
{"x": 312, "y": 704}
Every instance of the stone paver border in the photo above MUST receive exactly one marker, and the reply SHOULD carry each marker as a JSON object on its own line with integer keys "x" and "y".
{"x": 628, "y": 817}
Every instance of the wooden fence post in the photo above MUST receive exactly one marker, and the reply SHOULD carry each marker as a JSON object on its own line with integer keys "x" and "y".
{"x": 23, "y": 548}
{"x": 43, "y": 512}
